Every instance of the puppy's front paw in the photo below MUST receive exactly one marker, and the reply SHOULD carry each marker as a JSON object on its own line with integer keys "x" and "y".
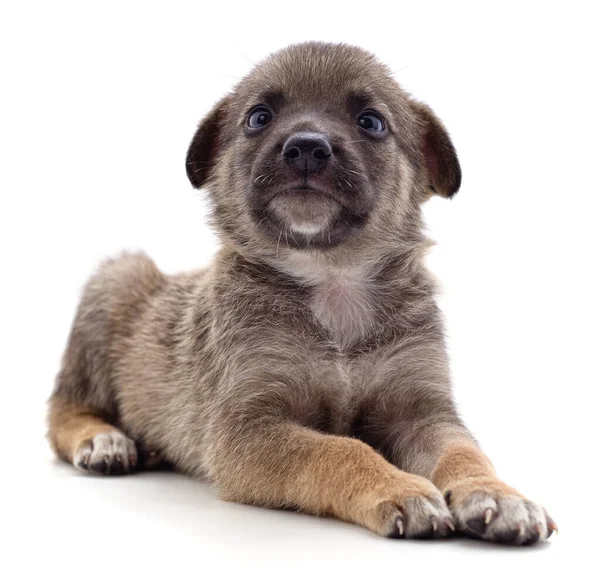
{"x": 488, "y": 509}
{"x": 413, "y": 509}
{"x": 106, "y": 453}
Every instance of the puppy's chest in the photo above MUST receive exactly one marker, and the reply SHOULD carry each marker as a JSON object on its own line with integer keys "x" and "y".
{"x": 343, "y": 304}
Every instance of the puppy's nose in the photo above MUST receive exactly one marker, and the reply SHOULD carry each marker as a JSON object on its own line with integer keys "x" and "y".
{"x": 307, "y": 152}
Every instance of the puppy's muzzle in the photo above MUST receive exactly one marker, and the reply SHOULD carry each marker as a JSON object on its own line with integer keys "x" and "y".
{"x": 307, "y": 152}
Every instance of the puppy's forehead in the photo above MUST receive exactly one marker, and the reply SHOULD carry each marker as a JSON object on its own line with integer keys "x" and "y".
{"x": 320, "y": 73}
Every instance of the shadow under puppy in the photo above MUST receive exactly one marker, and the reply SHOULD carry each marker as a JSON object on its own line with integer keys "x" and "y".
{"x": 306, "y": 366}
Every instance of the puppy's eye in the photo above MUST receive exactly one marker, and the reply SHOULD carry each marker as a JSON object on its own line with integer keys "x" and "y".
{"x": 371, "y": 121}
{"x": 259, "y": 117}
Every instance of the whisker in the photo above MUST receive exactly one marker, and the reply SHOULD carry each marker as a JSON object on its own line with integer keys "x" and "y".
{"x": 398, "y": 70}
{"x": 249, "y": 60}
{"x": 277, "y": 251}
{"x": 353, "y": 172}
{"x": 345, "y": 221}
{"x": 247, "y": 157}
{"x": 262, "y": 220}
{"x": 211, "y": 164}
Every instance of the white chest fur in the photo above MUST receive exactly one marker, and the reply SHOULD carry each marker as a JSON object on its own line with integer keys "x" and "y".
{"x": 341, "y": 300}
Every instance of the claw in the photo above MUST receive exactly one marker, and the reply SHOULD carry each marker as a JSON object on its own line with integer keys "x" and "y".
{"x": 487, "y": 516}
{"x": 434, "y": 524}
{"x": 539, "y": 529}
{"x": 400, "y": 526}
{"x": 450, "y": 525}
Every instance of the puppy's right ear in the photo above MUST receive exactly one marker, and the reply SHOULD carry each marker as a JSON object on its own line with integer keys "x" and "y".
{"x": 204, "y": 149}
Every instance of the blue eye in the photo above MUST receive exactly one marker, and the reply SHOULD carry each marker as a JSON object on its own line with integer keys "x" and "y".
{"x": 371, "y": 121}
{"x": 259, "y": 117}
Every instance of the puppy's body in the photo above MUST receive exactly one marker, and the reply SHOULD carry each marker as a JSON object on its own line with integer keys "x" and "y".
{"x": 315, "y": 323}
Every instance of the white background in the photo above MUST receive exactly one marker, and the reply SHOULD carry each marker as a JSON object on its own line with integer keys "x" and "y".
{"x": 98, "y": 103}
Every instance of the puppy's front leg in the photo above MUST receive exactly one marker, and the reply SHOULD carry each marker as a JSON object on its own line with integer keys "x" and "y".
{"x": 283, "y": 464}
{"x": 438, "y": 446}
{"x": 412, "y": 419}
{"x": 483, "y": 505}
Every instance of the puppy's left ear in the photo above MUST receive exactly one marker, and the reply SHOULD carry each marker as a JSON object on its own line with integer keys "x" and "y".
{"x": 438, "y": 151}
{"x": 205, "y": 146}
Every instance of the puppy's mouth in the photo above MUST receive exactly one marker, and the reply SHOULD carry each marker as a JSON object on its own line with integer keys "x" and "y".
{"x": 305, "y": 209}
{"x": 309, "y": 191}
{"x": 309, "y": 211}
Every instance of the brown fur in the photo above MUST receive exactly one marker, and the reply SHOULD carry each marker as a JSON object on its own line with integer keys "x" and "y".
{"x": 71, "y": 425}
{"x": 297, "y": 370}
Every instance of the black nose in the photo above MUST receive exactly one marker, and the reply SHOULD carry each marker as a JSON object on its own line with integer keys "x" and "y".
{"x": 307, "y": 152}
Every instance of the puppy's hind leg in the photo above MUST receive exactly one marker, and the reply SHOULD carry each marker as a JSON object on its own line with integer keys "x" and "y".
{"x": 83, "y": 438}
{"x": 84, "y": 410}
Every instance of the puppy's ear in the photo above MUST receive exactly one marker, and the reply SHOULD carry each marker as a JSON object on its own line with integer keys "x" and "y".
{"x": 438, "y": 152}
{"x": 204, "y": 149}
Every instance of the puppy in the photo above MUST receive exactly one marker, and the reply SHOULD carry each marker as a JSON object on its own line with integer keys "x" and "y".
{"x": 306, "y": 367}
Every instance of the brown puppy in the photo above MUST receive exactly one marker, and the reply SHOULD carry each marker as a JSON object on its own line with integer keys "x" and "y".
{"x": 306, "y": 367}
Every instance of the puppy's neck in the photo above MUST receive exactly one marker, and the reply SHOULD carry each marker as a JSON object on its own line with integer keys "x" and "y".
{"x": 341, "y": 298}
{"x": 350, "y": 298}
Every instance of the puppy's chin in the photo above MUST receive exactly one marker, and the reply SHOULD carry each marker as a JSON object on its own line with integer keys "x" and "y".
{"x": 305, "y": 212}
{"x": 308, "y": 218}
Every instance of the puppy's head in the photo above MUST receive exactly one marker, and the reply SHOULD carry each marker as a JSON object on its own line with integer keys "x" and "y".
{"x": 319, "y": 146}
